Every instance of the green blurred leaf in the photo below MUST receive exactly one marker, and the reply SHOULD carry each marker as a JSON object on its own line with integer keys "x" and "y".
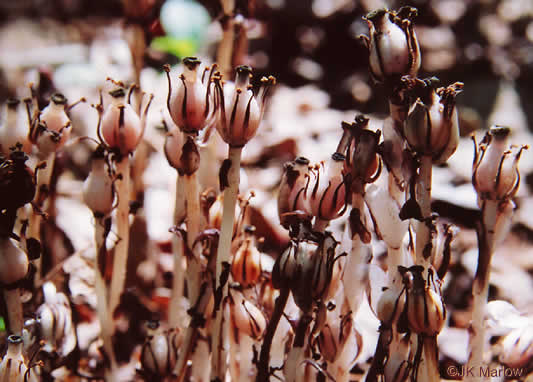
{"x": 177, "y": 47}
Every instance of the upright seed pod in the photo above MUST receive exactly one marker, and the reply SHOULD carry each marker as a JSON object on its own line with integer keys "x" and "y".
{"x": 12, "y": 129}
{"x": 159, "y": 352}
{"x": 327, "y": 192}
{"x": 13, "y": 367}
{"x": 121, "y": 126}
{"x": 14, "y": 262}
{"x": 240, "y": 112}
{"x": 392, "y": 44}
{"x": 292, "y": 191}
{"x": 191, "y": 102}
{"x": 98, "y": 189}
{"x": 246, "y": 264}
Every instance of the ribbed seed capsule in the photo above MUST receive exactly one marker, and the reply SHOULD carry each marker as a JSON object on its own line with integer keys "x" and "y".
{"x": 98, "y": 190}
{"x": 292, "y": 192}
{"x": 390, "y": 305}
{"x": 317, "y": 282}
{"x": 54, "y": 116}
{"x": 495, "y": 170}
{"x": 246, "y": 317}
{"x": 289, "y": 265}
{"x": 426, "y": 312}
{"x": 191, "y": 101}
{"x": 13, "y": 130}
{"x": 432, "y": 126}
{"x": 159, "y": 351}
{"x": 392, "y": 44}
{"x": 121, "y": 126}
{"x": 239, "y": 111}
{"x": 327, "y": 192}
{"x": 246, "y": 265}
{"x": 13, "y": 367}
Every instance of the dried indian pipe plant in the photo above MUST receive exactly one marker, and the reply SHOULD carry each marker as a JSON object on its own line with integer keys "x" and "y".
{"x": 239, "y": 114}
{"x": 121, "y": 128}
{"x": 496, "y": 179}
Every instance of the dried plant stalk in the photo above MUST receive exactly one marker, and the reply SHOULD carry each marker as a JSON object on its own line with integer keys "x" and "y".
{"x": 14, "y": 310}
{"x": 480, "y": 289}
{"x": 224, "y": 248}
{"x": 175, "y": 315}
{"x": 102, "y": 309}
{"x": 120, "y": 258}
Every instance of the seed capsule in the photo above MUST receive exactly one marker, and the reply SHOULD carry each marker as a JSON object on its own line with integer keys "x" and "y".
{"x": 327, "y": 191}
{"x": 246, "y": 265}
{"x": 190, "y": 103}
{"x": 159, "y": 352}
{"x": 246, "y": 317}
{"x": 392, "y": 44}
{"x": 13, "y": 367}
{"x": 495, "y": 170}
{"x": 121, "y": 126}
{"x": 292, "y": 192}
{"x": 289, "y": 264}
{"x": 98, "y": 190}
{"x": 432, "y": 126}
{"x": 425, "y": 307}
{"x": 239, "y": 111}
{"x": 13, "y": 130}
{"x": 55, "y": 118}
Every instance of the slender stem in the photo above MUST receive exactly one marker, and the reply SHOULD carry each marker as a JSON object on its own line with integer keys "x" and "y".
{"x": 175, "y": 315}
{"x": 193, "y": 208}
{"x": 356, "y": 271}
{"x": 423, "y": 197}
{"x": 14, "y": 310}
{"x": 394, "y": 258}
{"x": 429, "y": 366}
{"x": 106, "y": 320}
{"x": 225, "y": 48}
{"x": 120, "y": 258}
{"x": 224, "y": 248}
{"x": 44, "y": 178}
{"x": 264, "y": 357}
{"x": 481, "y": 286}
{"x": 293, "y": 367}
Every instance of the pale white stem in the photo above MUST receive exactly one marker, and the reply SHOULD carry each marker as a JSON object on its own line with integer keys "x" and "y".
{"x": 481, "y": 289}
{"x": 44, "y": 177}
{"x": 176, "y": 313}
{"x": 423, "y": 197}
{"x": 247, "y": 368}
{"x": 356, "y": 271}
{"x": 225, "y": 49}
{"x": 120, "y": 259}
{"x": 200, "y": 362}
{"x": 14, "y": 310}
{"x": 106, "y": 320}
{"x": 193, "y": 208}
{"x": 428, "y": 369}
{"x": 224, "y": 246}
{"x": 394, "y": 258}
